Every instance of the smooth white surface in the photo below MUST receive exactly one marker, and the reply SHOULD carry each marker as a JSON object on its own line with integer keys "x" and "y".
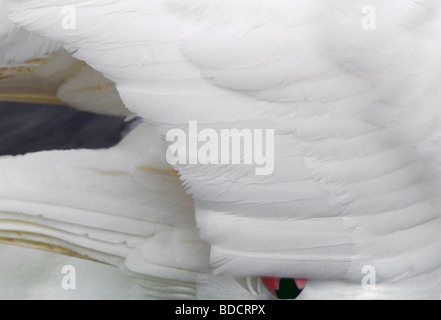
{"x": 35, "y": 274}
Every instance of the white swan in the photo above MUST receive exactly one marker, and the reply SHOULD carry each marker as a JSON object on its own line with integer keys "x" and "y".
{"x": 356, "y": 120}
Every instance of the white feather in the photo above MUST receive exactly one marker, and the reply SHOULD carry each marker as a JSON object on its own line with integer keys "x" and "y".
{"x": 355, "y": 114}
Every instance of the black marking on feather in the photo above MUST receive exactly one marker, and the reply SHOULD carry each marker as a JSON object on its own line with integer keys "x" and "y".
{"x": 27, "y": 127}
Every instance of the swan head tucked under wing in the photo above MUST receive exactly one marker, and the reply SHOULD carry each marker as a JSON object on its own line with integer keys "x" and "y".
{"x": 348, "y": 89}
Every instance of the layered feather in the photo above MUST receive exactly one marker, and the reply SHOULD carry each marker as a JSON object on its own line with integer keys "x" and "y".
{"x": 355, "y": 113}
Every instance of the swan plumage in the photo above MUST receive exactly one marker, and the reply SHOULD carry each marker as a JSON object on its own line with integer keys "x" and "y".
{"x": 356, "y": 119}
